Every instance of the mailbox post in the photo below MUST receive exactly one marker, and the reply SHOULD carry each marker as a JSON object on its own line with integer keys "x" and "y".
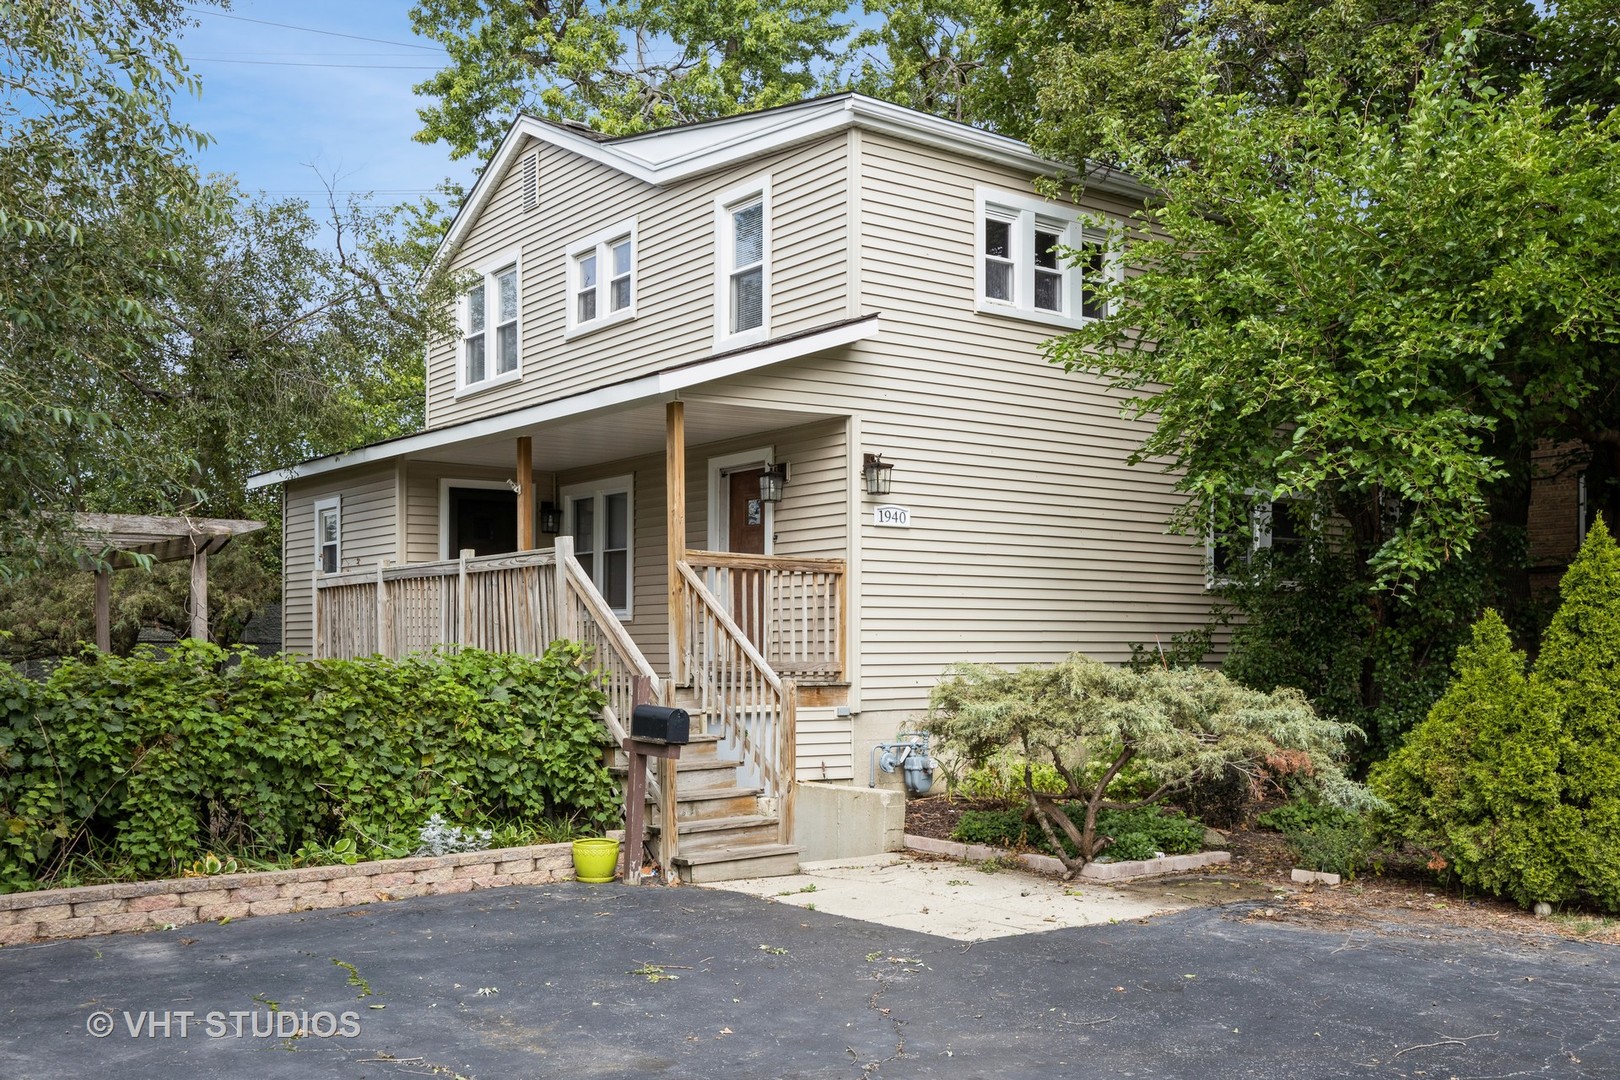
{"x": 655, "y": 732}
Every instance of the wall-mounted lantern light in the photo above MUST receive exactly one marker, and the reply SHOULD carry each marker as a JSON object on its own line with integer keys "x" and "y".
{"x": 771, "y": 482}
{"x": 878, "y": 474}
{"x": 550, "y": 518}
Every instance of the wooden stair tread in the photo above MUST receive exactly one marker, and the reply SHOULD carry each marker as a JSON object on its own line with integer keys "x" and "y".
{"x": 716, "y": 793}
{"x": 735, "y": 854}
{"x": 719, "y": 824}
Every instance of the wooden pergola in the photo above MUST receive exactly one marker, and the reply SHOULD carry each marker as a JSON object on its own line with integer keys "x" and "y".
{"x": 126, "y": 540}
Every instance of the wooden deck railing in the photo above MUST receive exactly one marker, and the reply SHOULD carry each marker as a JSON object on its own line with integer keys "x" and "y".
{"x": 740, "y": 698}
{"x": 503, "y": 603}
{"x": 794, "y": 610}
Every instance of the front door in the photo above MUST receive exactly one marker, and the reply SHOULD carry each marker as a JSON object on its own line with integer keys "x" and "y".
{"x": 745, "y": 535}
{"x": 745, "y": 530}
{"x": 484, "y": 520}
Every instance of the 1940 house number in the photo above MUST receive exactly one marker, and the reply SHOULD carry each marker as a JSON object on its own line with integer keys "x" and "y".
{"x": 893, "y": 516}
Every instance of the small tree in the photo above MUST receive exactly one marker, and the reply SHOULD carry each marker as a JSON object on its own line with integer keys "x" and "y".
{"x": 1515, "y": 780}
{"x": 1180, "y": 726}
{"x": 1477, "y": 780}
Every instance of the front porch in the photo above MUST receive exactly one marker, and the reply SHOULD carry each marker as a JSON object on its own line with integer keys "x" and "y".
{"x": 753, "y": 643}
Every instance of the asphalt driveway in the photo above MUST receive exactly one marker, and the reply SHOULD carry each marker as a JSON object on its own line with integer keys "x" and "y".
{"x": 585, "y": 981}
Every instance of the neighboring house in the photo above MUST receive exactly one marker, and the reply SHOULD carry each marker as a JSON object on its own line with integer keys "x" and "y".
{"x": 821, "y": 290}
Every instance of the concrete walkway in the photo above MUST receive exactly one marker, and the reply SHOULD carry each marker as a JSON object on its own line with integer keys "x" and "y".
{"x": 974, "y": 901}
{"x": 583, "y": 981}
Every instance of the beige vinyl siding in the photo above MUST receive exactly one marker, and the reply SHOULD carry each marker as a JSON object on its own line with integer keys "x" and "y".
{"x": 1031, "y": 537}
{"x": 368, "y": 536}
{"x": 674, "y": 320}
{"x": 823, "y": 744}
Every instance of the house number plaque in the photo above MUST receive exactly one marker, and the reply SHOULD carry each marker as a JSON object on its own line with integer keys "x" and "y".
{"x": 897, "y": 517}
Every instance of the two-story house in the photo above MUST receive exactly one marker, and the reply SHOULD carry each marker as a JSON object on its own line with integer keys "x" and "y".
{"x": 762, "y": 402}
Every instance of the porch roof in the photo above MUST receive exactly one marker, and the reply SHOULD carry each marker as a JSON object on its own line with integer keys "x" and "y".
{"x": 568, "y": 431}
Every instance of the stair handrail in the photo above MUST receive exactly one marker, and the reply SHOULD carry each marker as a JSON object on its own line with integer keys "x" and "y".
{"x": 574, "y": 583}
{"x": 786, "y": 691}
{"x": 723, "y": 617}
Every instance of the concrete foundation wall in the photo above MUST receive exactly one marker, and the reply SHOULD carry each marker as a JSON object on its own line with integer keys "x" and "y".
{"x": 836, "y": 821}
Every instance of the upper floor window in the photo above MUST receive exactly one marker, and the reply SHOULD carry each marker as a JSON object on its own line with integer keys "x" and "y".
{"x": 1036, "y": 260}
{"x": 490, "y": 346}
{"x": 743, "y": 264}
{"x": 602, "y": 278}
{"x": 328, "y": 535}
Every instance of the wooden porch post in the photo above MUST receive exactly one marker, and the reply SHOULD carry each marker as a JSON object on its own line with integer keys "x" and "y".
{"x": 199, "y": 595}
{"x": 675, "y": 527}
{"x": 525, "y": 495}
{"x": 104, "y": 610}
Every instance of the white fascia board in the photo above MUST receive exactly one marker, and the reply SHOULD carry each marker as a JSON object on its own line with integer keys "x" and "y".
{"x": 759, "y": 134}
{"x": 647, "y": 388}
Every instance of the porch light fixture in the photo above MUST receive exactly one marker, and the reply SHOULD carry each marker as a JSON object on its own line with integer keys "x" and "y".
{"x": 550, "y": 518}
{"x": 878, "y": 474}
{"x": 771, "y": 482}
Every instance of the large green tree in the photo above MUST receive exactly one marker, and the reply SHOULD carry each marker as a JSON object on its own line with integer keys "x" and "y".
{"x": 93, "y": 189}
{"x": 162, "y": 336}
{"x": 1375, "y": 315}
{"x": 620, "y": 65}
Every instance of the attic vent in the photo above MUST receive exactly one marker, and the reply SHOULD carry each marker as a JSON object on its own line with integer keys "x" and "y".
{"x": 531, "y": 180}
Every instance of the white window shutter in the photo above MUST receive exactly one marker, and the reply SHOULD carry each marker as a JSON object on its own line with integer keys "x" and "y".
{"x": 531, "y": 180}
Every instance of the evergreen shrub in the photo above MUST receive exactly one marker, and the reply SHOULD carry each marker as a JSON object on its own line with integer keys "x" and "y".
{"x": 1513, "y": 779}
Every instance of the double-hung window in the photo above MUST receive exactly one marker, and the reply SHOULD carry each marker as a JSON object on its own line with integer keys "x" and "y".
{"x": 491, "y": 350}
{"x": 602, "y": 278}
{"x": 1037, "y": 260}
{"x": 328, "y": 535}
{"x": 743, "y": 264}
{"x": 600, "y": 518}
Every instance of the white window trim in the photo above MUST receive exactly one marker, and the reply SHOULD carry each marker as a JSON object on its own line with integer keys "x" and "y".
{"x": 719, "y": 493}
{"x": 486, "y": 269}
{"x": 445, "y": 484}
{"x": 612, "y": 485}
{"x": 1023, "y": 212}
{"x": 331, "y": 502}
{"x": 758, "y": 188}
{"x": 1260, "y": 511}
{"x": 599, "y": 242}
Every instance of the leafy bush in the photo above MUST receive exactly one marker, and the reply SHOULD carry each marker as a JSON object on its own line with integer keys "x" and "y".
{"x": 1303, "y": 815}
{"x": 1141, "y": 833}
{"x": 1090, "y": 722}
{"x": 1002, "y": 777}
{"x": 148, "y": 763}
{"x": 1514, "y": 779}
{"x": 1321, "y": 836}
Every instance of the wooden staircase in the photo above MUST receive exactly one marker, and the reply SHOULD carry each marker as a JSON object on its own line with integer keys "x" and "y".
{"x": 727, "y": 830}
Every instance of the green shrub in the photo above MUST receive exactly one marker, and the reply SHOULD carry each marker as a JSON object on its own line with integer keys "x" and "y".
{"x": 1002, "y": 777}
{"x": 1303, "y": 815}
{"x": 1136, "y": 834}
{"x": 149, "y": 763}
{"x": 1331, "y": 849}
{"x": 1322, "y": 837}
{"x": 1091, "y": 722}
{"x": 1513, "y": 779}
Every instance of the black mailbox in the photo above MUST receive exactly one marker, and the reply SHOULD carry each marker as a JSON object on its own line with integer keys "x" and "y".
{"x": 655, "y": 723}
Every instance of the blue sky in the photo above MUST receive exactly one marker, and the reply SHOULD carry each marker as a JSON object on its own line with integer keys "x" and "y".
{"x": 278, "y": 100}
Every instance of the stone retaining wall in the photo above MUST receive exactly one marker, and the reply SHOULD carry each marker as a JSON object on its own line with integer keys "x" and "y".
{"x": 142, "y": 905}
{"x": 1046, "y": 864}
